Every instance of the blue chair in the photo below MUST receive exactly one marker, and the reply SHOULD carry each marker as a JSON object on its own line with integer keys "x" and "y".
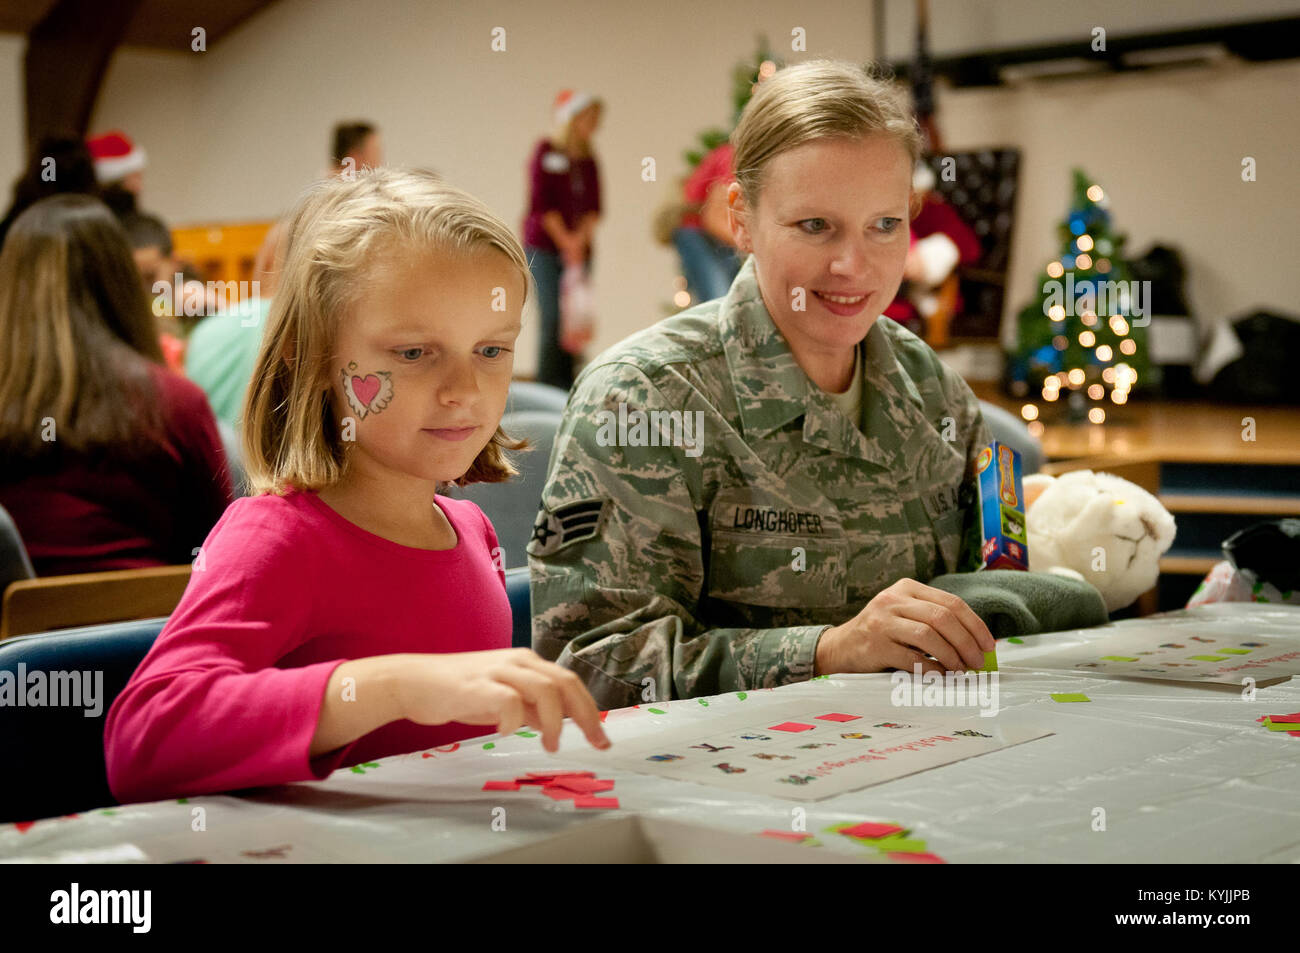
{"x": 234, "y": 458}
{"x": 512, "y": 506}
{"x": 521, "y": 613}
{"x": 14, "y": 562}
{"x": 530, "y": 395}
{"x": 1009, "y": 429}
{"x": 53, "y": 756}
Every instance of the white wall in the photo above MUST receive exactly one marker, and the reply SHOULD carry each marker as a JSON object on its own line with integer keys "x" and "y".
{"x": 12, "y": 115}
{"x": 235, "y": 132}
{"x": 1167, "y": 149}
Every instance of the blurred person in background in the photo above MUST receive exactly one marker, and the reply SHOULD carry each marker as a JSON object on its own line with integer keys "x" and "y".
{"x": 563, "y": 210}
{"x": 111, "y": 460}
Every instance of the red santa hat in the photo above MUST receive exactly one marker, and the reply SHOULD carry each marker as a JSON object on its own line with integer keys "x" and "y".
{"x": 570, "y": 102}
{"x": 115, "y": 155}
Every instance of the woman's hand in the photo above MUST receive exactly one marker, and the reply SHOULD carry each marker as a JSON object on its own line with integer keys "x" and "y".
{"x": 508, "y": 688}
{"x": 899, "y": 627}
{"x": 573, "y": 251}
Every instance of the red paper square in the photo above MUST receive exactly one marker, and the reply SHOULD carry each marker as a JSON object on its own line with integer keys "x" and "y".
{"x": 501, "y": 786}
{"x": 792, "y": 726}
{"x": 598, "y": 802}
{"x": 583, "y": 785}
{"x": 550, "y": 775}
{"x": 560, "y": 794}
{"x": 838, "y": 716}
{"x": 1284, "y": 719}
{"x": 869, "y": 829}
{"x": 786, "y": 835}
{"x": 920, "y": 858}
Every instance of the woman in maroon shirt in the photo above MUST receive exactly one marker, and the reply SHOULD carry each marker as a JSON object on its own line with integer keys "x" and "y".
{"x": 110, "y": 460}
{"x": 563, "y": 209}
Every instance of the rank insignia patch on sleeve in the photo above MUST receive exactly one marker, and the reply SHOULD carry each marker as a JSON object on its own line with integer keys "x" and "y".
{"x": 568, "y": 524}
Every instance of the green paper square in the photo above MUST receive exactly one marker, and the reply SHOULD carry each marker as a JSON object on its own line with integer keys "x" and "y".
{"x": 1209, "y": 658}
{"x": 1070, "y": 697}
{"x": 899, "y": 843}
{"x": 990, "y": 661}
{"x": 1282, "y": 726}
{"x": 1016, "y": 639}
{"x": 1118, "y": 658}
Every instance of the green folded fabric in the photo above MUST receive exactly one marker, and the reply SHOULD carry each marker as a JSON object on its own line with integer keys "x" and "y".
{"x": 1011, "y": 602}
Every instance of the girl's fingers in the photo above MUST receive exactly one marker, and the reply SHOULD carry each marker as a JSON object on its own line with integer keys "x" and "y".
{"x": 510, "y": 711}
{"x": 578, "y": 703}
{"x": 539, "y": 691}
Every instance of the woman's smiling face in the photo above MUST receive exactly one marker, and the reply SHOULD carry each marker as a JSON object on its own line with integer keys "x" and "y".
{"x": 829, "y": 238}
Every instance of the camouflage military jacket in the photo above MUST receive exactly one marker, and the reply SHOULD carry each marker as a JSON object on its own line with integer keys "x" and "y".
{"x": 709, "y": 511}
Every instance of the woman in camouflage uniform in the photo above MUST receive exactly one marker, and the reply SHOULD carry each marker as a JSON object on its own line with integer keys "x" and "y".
{"x": 753, "y": 492}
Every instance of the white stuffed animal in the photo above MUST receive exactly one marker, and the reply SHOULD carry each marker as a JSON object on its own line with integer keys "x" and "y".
{"x": 1100, "y": 528}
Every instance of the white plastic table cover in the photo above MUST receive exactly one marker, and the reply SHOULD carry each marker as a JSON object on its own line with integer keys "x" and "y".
{"x": 1183, "y": 772}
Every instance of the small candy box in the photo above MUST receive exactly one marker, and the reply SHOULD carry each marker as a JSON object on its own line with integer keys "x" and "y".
{"x": 1001, "y": 503}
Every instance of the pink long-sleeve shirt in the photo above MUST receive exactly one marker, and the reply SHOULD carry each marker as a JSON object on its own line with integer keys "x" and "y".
{"x": 284, "y": 591}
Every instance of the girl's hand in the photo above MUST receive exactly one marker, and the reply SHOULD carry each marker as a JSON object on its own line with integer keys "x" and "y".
{"x": 899, "y": 627}
{"x": 508, "y": 688}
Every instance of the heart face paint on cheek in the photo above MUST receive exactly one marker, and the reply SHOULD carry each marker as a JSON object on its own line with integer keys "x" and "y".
{"x": 369, "y": 394}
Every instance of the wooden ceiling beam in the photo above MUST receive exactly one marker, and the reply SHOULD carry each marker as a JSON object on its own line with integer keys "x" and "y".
{"x": 67, "y": 55}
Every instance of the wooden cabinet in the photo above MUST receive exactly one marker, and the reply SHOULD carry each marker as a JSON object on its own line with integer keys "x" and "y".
{"x": 1216, "y": 468}
{"x": 222, "y": 252}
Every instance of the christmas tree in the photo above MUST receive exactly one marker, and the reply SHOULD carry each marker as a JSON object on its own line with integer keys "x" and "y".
{"x": 744, "y": 80}
{"x": 1082, "y": 341}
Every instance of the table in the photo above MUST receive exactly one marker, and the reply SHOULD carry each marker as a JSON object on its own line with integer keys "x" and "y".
{"x": 1184, "y": 774}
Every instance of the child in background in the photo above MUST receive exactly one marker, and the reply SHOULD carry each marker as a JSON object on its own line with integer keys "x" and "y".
{"x": 347, "y": 612}
{"x": 151, "y": 246}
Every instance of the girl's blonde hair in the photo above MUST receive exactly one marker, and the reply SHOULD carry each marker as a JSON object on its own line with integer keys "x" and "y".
{"x": 291, "y": 437}
{"x": 811, "y": 101}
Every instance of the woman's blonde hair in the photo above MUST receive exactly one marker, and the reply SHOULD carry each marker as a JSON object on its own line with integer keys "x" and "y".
{"x": 567, "y": 139}
{"x": 339, "y": 229}
{"x": 815, "y": 100}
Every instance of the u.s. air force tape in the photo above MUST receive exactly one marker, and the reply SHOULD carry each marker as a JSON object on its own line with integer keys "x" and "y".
{"x": 566, "y": 524}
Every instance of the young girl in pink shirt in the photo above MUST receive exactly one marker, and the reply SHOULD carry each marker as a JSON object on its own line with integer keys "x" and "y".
{"x": 346, "y": 612}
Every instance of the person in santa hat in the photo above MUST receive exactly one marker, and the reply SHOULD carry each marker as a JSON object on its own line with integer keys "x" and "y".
{"x": 940, "y": 241}
{"x": 563, "y": 209}
{"x": 119, "y": 170}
